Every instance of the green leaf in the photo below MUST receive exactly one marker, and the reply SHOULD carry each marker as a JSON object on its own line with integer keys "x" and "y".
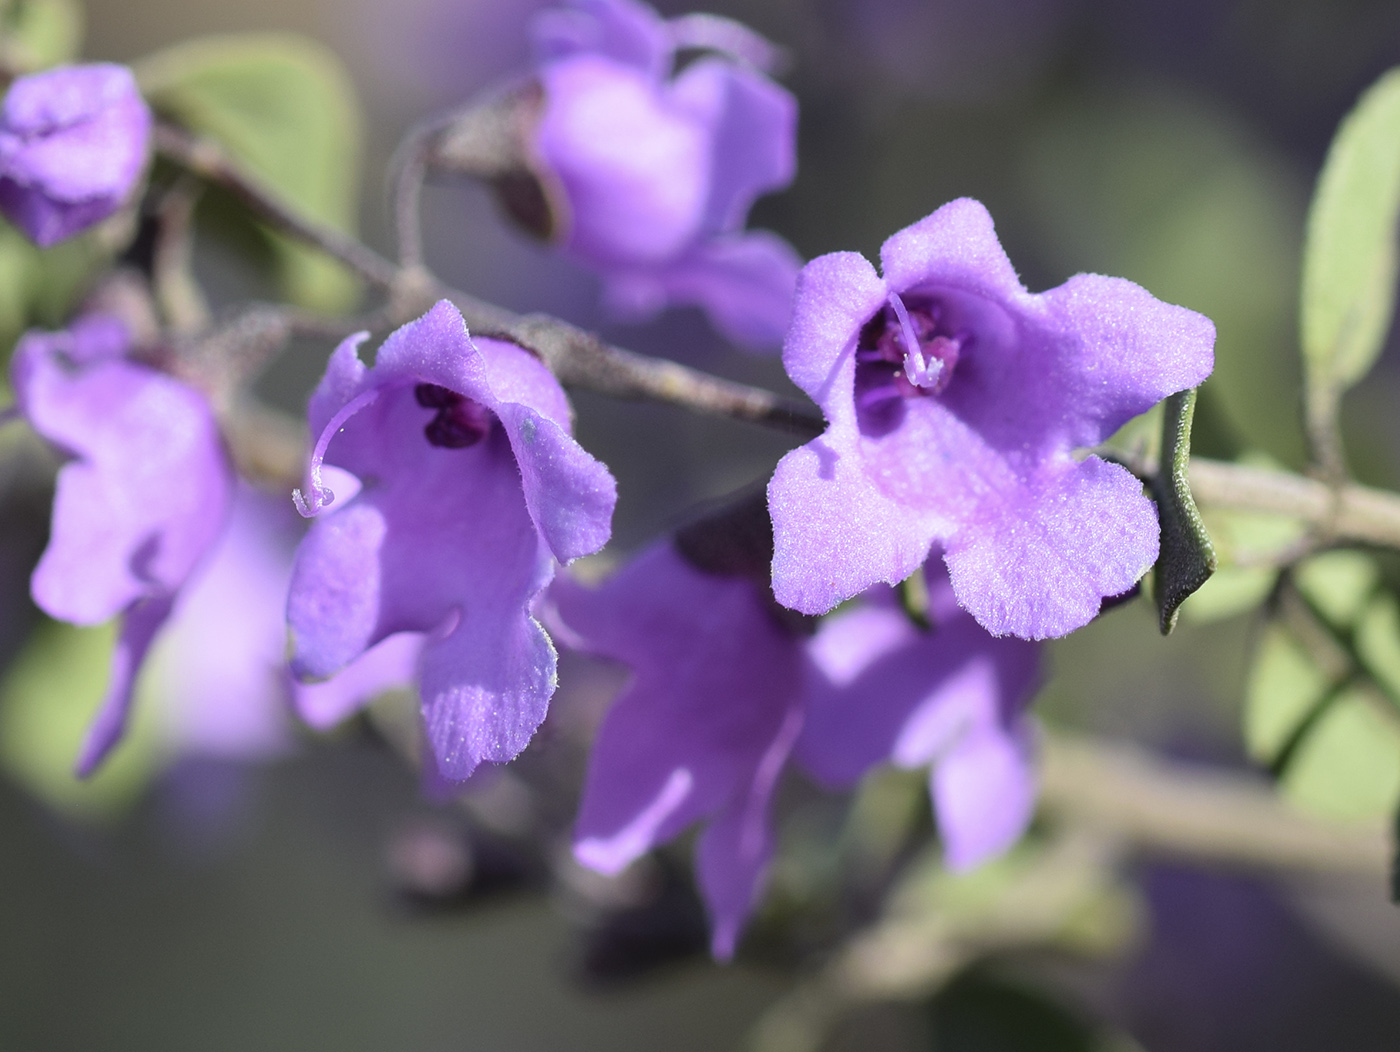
{"x": 1378, "y": 641}
{"x": 1245, "y": 544}
{"x": 46, "y": 700}
{"x": 1348, "y": 766}
{"x": 40, "y": 286}
{"x": 1349, "y": 253}
{"x": 285, "y": 107}
{"x": 1187, "y": 558}
{"x": 37, "y": 34}
{"x": 1339, "y": 585}
{"x": 1284, "y": 688}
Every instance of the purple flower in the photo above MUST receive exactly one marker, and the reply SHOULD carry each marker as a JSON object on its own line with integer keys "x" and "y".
{"x": 723, "y": 690}
{"x": 472, "y": 490}
{"x": 952, "y": 699}
{"x": 969, "y": 442}
{"x": 658, "y": 172}
{"x": 73, "y": 144}
{"x": 220, "y": 669}
{"x": 135, "y": 510}
{"x": 703, "y": 731}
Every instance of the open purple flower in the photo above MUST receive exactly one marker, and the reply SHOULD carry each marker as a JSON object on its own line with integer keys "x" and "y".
{"x": 658, "y": 172}
{"x": 137, "y": 508}
{"x": 472, "y": 490}
{"x": 956, "y": 402}
{"x": 725, "y": 691}
{"x": 73, "y": 144}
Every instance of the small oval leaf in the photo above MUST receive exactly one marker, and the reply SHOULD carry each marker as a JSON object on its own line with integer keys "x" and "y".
{"x": 1349, "y": 254}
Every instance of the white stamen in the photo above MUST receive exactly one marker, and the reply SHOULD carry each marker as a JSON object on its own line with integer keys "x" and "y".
{"x": 321, "y": 496}
{"x": 919, "y": 372}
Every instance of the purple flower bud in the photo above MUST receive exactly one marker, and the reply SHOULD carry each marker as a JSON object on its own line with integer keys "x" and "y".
{"x": 658, "y": 172}
{"x": 725, "y": 692}
{"x": 73, "y": 144}
{"x": 138, "y": 507}
{"x": 956, "y": 402}
{"x": 472, "y": 491}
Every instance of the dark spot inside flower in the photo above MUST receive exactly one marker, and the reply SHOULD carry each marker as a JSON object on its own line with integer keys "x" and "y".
{"x": 460, "y": 422}
{"x": 888, "y": 374}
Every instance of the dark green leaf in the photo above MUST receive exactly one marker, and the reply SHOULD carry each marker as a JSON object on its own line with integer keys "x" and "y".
{"x": 1187, "y": 558}
{"x": 286, "y": 108}
{"x": 1349, "y": 254}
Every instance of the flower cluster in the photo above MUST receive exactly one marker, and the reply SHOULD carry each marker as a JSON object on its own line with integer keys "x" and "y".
{"x": 445, "y": 488}
{"x": 725, "y": 693}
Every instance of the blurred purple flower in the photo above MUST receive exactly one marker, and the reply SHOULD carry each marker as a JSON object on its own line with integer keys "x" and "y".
{"x": 723, "y": 690}
{"x": 953, "y": 699}
{"x": 473, "y": 489}
{"x": 220, "y": 664}
{"x": 659, "y": 171}
{"x": 73, "y": 144}
{"x": 136, "y": 509}
{"x": 969, "y": 443}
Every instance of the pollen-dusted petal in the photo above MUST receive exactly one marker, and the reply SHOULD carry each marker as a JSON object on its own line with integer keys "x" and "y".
{"x": 836, "y": 295}
{"x": 1039, "y": 562}
{"x": 835, "y": 533}
{"x": 570, "y": 494}
{"x": 1129, "y": 351}
{"x": 955, "y": 247}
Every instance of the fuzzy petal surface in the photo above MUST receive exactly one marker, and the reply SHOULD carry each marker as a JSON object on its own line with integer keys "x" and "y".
{"x": 453, "y": 543}
{"x": 980, "y": 462}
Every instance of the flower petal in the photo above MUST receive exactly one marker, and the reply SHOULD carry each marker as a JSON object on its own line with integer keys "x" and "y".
{"x": 752, "y": 126}
{"x": 744, "y": 282}
{"x": 955, "y": 247}
{"x": 984, "y": 793}
{"x": 1037, "y": 561}
{"x": 835, "y": 533}
{"x": 715, "y": 676}
{"x": 1131, "y": 350}
{"x": 836, "y": 295}
{"x": 733, "y": 852}
{"x": 147, "y": 493}
{"x": 139, "y": 627}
